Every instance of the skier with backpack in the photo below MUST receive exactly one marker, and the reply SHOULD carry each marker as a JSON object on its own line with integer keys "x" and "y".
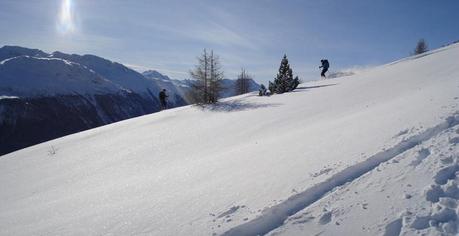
{"x": 325, "y": 65}
{"x": 162, "y": 99}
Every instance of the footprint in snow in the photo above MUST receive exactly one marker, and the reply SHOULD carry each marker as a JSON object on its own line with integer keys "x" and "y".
{"x": 444, "y": 196}
{"x": 422, "y": 154}
{"x": 446, "y": 174}
{"x": 433, "y": 193}
{"x": 447, "y": 160}
{"x": 229, "y": 212}
{"x": 304, "y": 220}
{"x": 454, "y": 140}
{"x": 325, "y": 218}
{"x": 365, "y": 206}
{"x": 322, "y": 172}
{"x": 393, "y": 228}
{"x": 403, "y": 132}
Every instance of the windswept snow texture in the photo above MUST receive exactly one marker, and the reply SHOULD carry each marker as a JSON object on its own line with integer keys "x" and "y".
{"x": 370, "y": 154}
{"x": 397, "y": 198}
{"x": 275, "y": 216}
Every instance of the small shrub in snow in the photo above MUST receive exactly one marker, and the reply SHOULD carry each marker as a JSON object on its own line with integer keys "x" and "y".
{"x": 52, "y": 150}
{"x": 421, "y": 47}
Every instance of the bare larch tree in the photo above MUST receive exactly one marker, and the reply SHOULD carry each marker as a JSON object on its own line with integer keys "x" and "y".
{"x": 207, "y": 76}
{"x": 242, "y": 82}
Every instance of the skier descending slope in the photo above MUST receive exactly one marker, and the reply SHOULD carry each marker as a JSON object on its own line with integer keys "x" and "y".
{"x": 325, "y": 65}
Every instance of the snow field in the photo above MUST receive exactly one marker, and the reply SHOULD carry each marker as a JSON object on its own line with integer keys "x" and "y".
{"x": 416, "y": 192}
{"x": 334, "y": 156}
{"x": 275, "y": 216}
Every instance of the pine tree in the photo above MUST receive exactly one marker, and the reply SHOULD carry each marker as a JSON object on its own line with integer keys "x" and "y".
{"x": 421, "y": 47}
{"x": 284, "y": 81}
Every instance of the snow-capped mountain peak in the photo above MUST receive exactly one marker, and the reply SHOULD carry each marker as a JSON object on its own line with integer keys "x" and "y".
{"x": 153, "y": 74}
{"x": 47, "y": 76}
{"x": 14, "y": 51}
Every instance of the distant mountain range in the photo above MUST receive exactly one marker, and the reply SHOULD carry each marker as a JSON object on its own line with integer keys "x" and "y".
{"x": 45, "y": 96}
{"x": 182, "y": 86}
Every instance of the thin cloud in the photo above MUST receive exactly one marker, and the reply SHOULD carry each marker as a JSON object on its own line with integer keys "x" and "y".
{"x": 212, "y": 33}
{"x": 219, "y": 34}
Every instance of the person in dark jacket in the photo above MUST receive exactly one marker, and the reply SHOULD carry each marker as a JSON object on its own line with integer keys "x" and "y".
{"x": 325, "y": 65}
{"x": 162, "y": 99}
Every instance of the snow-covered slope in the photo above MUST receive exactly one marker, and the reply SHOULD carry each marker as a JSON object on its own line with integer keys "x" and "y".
{"x": 349, "y": 156}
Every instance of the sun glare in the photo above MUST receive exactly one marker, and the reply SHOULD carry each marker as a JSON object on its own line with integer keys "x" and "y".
{"x": 66, "y": 22}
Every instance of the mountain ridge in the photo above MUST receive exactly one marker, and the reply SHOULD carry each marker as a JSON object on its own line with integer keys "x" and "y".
{"x": 48, "y": 87}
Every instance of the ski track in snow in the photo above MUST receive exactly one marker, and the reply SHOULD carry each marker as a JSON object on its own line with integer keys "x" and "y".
{"x": 275, "y": 216}
{"x": 397, "y": 206}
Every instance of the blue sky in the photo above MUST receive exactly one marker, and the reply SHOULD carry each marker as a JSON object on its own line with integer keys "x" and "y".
{"x": 168, "y": 35}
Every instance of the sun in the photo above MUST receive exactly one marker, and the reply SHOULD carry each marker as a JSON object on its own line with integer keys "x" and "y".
{"x": 66, "y": 22}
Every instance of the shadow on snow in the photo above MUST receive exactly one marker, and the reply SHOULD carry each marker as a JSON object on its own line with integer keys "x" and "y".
{"x": 232, "y": 106}
{"x": 239, "y": 105}
{"x": 313, "y": 87}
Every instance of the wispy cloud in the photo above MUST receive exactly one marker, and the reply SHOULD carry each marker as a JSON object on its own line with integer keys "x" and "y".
{"x": 218, "y": 34}
{"x": 209, "y": 33}
{"x": 214, "y": 26}
{"x": 83, "y": 43}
